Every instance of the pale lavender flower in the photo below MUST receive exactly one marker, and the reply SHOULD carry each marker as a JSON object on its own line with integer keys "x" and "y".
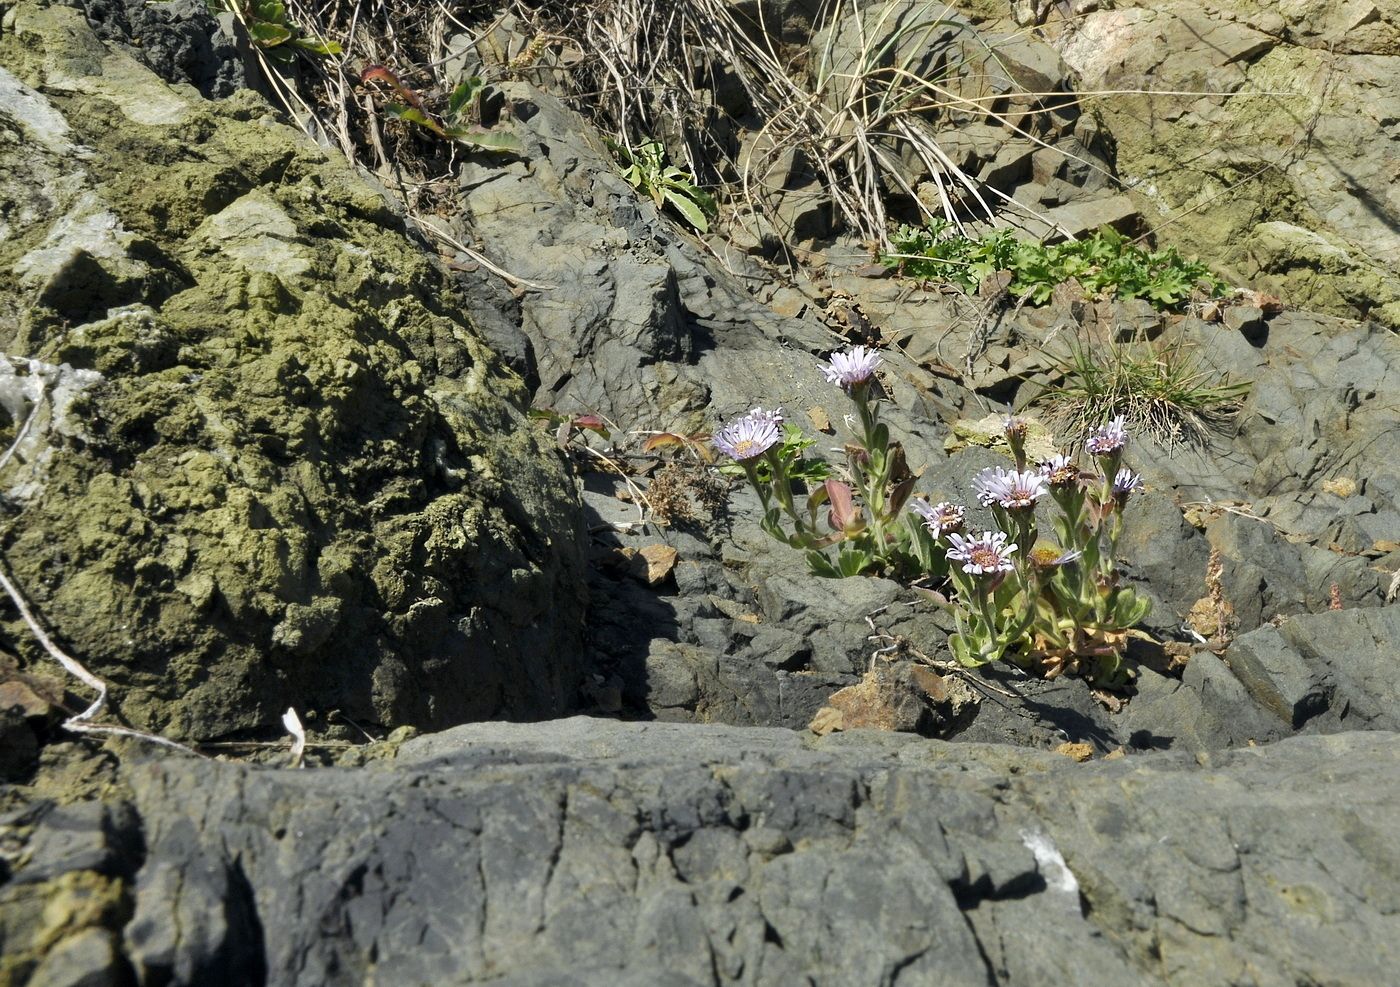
{"x": 1060, "y": 471}
{"x": 1126, "y": 482}
{"x": 851, "y": 368}
{"x": 942, "y": 518}
{"x": 775, "y": 416}
{"x": 983, "y": 554}
{"x": 1108, "y": 439}
{"x": 749, "y": 437}
{"x": 1011, "y": 489}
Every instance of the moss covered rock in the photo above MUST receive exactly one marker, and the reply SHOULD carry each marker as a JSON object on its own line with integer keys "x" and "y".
{"x": 268, "y": 460}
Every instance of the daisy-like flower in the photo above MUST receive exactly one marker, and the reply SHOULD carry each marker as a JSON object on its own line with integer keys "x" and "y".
{"x": 1108, "y": 439}
{"x": 749, "y": 437}
{"x": 1060, "y": 471}
{"x": 1011, "y": 489}
{"x": 942, "y": 518}
{"x": 1050, "y": 556}
{"x": 1126, "y": 482}
{"x": 775, "y": 417}
{"x": 851, "y": 368}
{"x": 987, "y": 553}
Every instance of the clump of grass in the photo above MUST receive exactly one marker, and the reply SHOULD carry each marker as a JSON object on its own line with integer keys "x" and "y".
{"x": 1105, "y": 263}
{"x": 1160, "y": 389}
{"x": 868, "y": 98}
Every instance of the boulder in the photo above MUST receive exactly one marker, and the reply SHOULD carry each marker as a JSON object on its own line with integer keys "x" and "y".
{"x": 262, "y": 457}
{"x": 1308, "y": 219}
{"x": 1325, "y": 671}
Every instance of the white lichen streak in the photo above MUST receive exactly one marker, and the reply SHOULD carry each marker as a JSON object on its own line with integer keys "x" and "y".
{"x": 1058, "y": 877}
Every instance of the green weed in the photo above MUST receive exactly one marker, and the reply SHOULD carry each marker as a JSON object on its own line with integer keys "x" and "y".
{"x": 1105, "y": 264}
{"x": 646, "y": 170}
{"x": 268, "y": 26}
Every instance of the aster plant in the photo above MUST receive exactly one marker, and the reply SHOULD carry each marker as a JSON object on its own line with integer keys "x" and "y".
{"x": 1047, "y": 606}
{"x": 849, "y": 518}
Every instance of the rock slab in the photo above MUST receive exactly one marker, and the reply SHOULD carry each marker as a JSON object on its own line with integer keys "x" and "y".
{"x": 597, "y": 852}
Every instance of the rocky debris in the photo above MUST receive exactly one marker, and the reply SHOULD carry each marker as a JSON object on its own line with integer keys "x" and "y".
{"x": 900, "y": 696}
{"x": 180, "y": 40}
{"x": 590, "y": 851}
{"x": 269, "y": 462}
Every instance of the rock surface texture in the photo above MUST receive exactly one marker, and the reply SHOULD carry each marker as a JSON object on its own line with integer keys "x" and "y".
{"x": 1282, "y": 164}
{"x": 268, "y": 461}
{"x": 261, "y": 450}
{"x": 595, "y": 852}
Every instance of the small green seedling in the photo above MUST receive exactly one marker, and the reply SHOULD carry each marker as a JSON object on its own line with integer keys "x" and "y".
{"x": 646, "y": 171}
{"x": 455, "y": 121}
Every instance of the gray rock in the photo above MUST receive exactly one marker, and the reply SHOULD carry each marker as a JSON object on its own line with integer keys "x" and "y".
{"x": 89, "y": 958}
{"x": 590, "y": 851}
{"x": 180, "y": 40}
{"x": 1325, "y": 671}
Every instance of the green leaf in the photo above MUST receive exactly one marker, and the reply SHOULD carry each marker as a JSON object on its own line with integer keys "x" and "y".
{"x": 821, "y": 566}
{"x": 463, "y": 95}
{"x": 318, "y": 47}
{"x": 687, "y": 207}
{"x": 267, "y": 35}
{"x": 411, "y": 114}
{"x": 494, "y": 141}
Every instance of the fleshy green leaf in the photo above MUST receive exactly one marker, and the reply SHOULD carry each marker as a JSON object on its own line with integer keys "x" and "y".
{"x": 494, "y": 141}
{"x": 687, "y": 207}
{"x": 268, "y": 35}
{"x": 463, "y": 95}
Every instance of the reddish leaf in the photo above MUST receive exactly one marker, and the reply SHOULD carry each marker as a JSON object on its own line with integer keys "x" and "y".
{"x": 661, "y": 440}
{"x": 379, "y": 73}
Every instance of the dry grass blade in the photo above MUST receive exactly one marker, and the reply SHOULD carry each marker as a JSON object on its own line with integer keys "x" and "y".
{"x": 82, "y": 722}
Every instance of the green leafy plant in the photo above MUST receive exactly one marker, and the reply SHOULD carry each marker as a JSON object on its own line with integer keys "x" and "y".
{"x": 1051, "y": 606}
{"x": 269, "y": 28}
{"x": 1105, "y": 263}
{"x": 646, "y": 170}
{"x": 455, "y": 122}
{"x": 1162, "y": 389}
{"x": 848, "y": 520}
{"x": 792, "y": 460}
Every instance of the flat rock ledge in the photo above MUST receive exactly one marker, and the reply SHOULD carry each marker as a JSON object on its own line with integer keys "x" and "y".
{"x": 590, "y": 851}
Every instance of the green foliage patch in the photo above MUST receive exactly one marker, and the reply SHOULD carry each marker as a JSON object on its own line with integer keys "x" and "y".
{"x": 1105, "y": 263}
{"x": 270, "y": 30}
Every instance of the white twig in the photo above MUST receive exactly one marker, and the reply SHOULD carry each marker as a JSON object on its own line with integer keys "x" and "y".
{"x": 81, "y": 723}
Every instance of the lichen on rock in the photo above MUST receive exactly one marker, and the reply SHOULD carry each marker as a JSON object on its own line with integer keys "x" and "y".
{"x": 303, "y": 480}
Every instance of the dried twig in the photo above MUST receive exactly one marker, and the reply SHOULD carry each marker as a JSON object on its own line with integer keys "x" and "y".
{"x": 82, "y": 722}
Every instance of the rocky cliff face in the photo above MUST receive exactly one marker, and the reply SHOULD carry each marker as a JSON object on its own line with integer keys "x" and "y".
{"x": 261, "y": 450}
{"x": 263, "y": 457}
{"x": 1278, "y": 157}
{"x": 590, "y": 852}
